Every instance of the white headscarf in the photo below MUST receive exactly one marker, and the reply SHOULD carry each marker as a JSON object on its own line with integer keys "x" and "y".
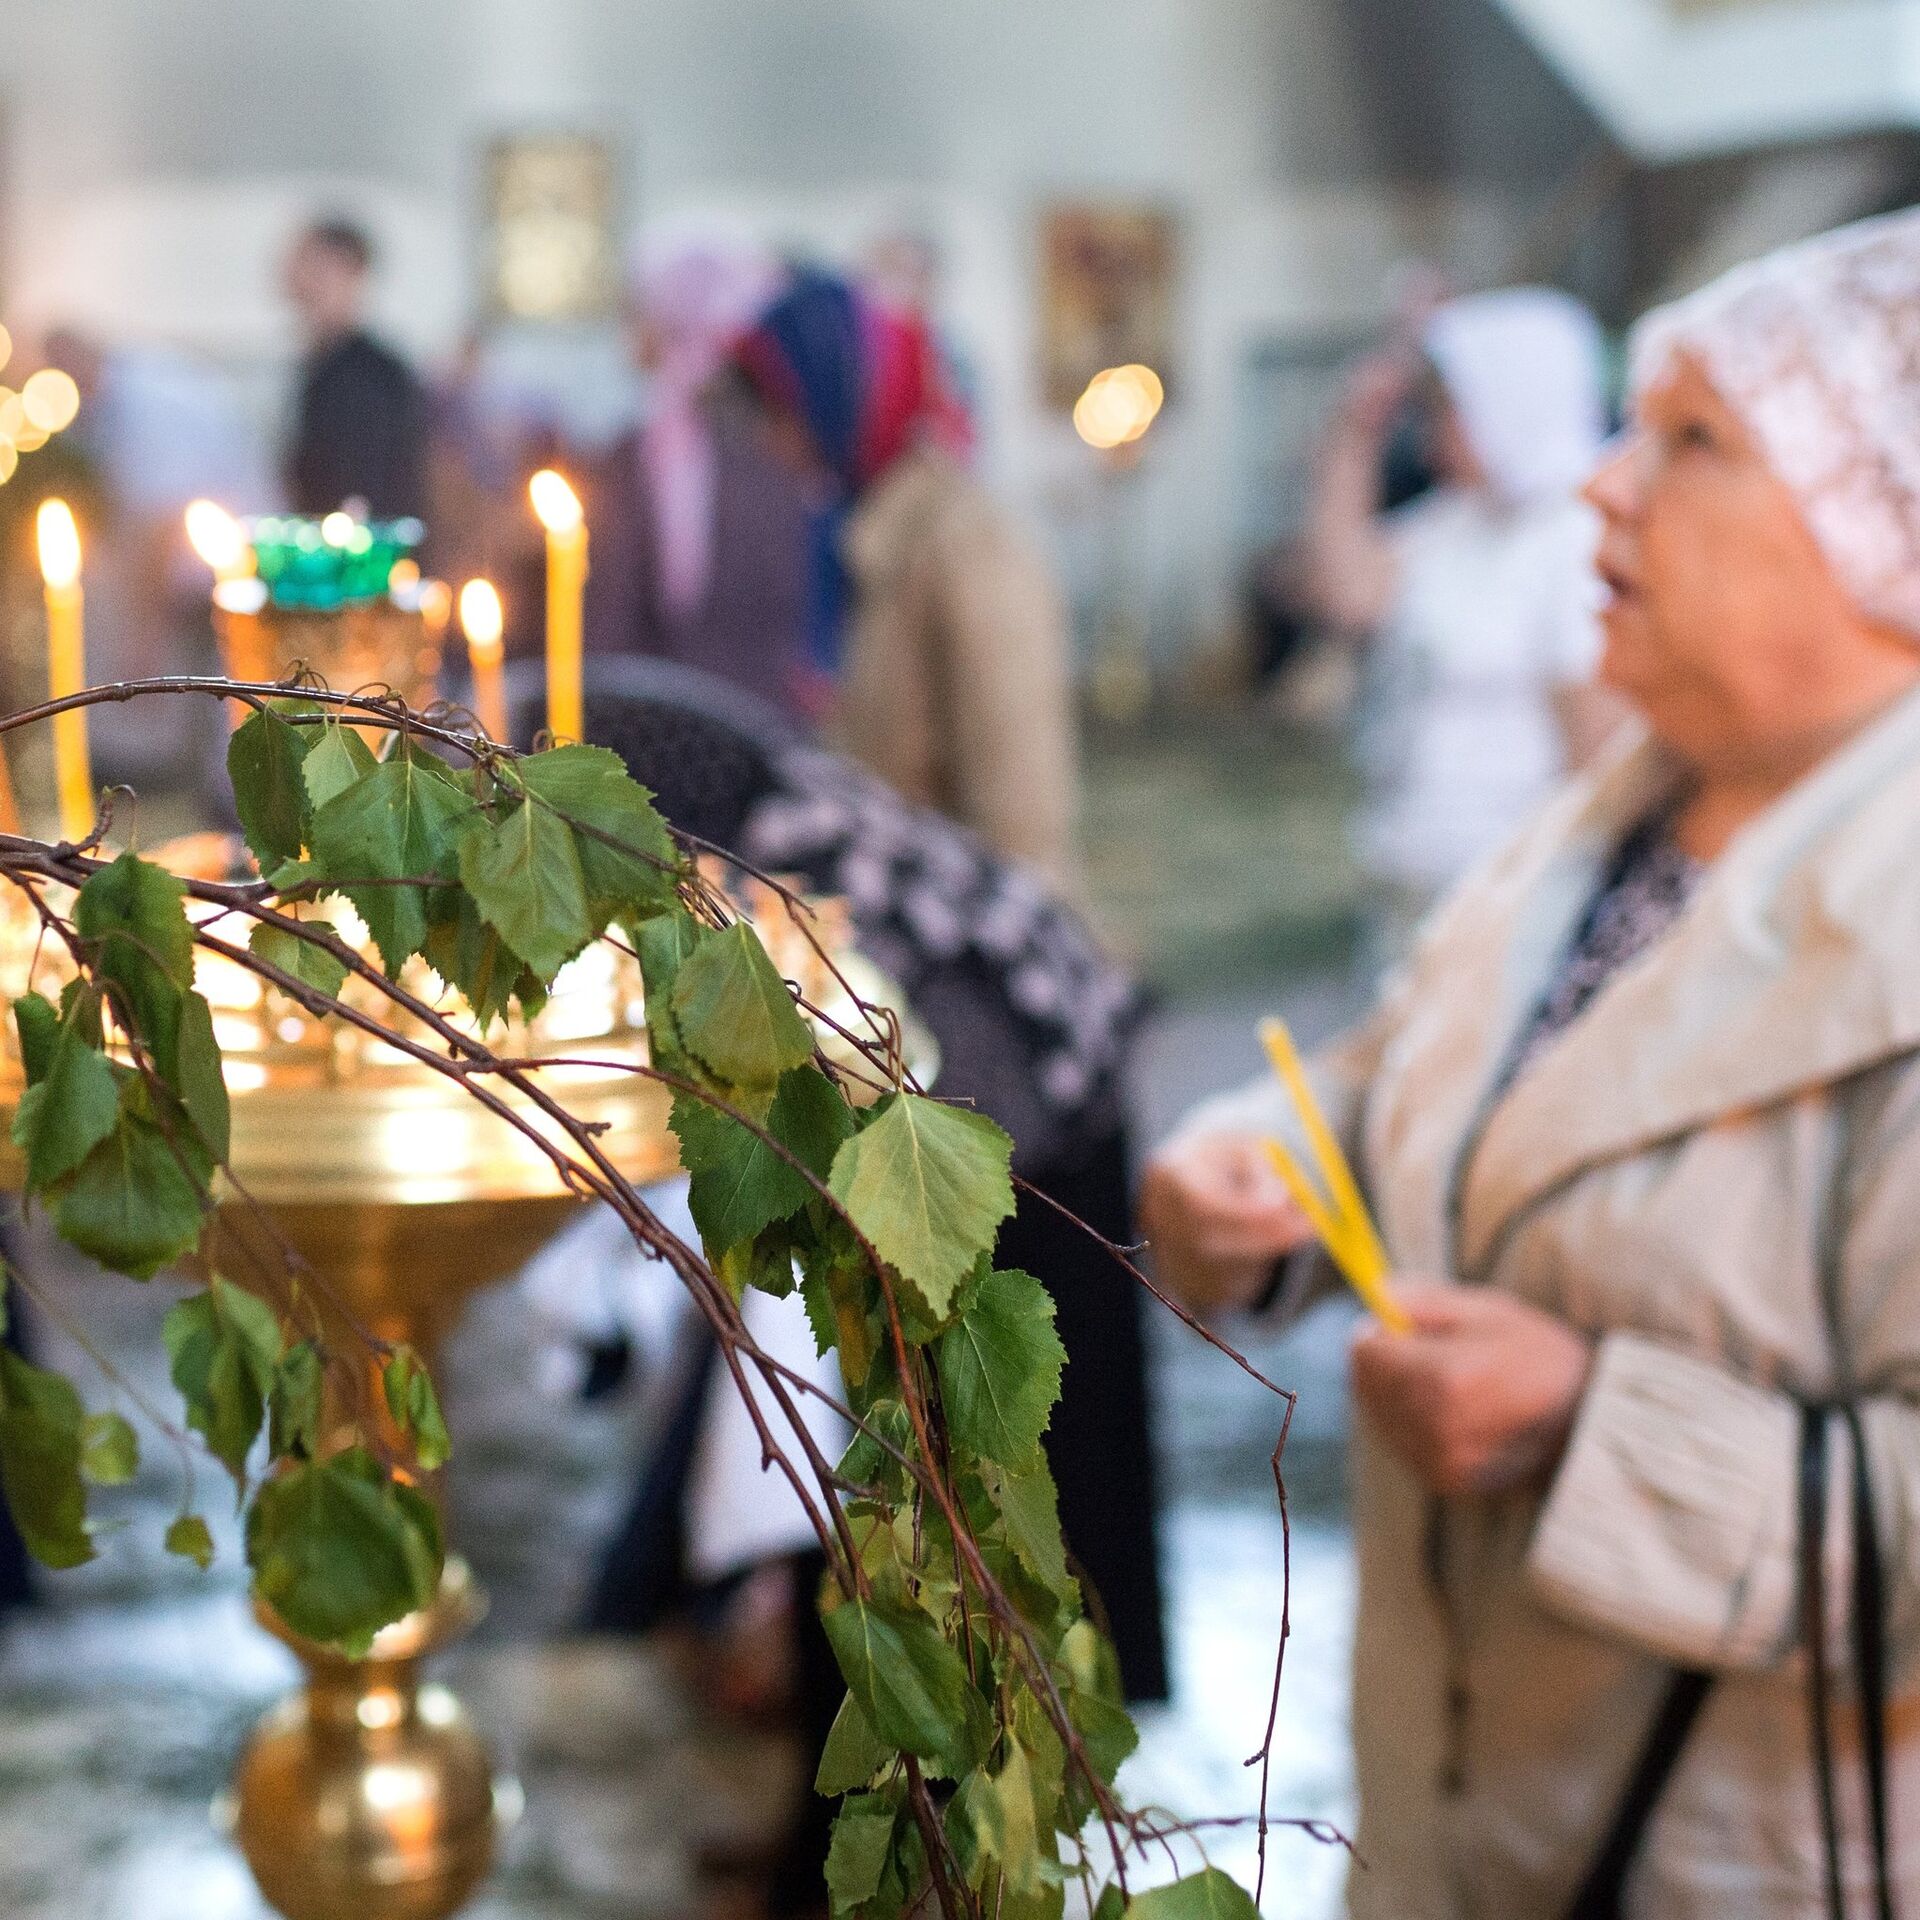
{"x": 1817, "y": 348}
{"x": 1524, "y": 369}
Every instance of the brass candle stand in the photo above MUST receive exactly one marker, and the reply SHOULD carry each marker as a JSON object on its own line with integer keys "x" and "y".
{"x": 370, "y": 1793}
{"x": 394, "y": 641}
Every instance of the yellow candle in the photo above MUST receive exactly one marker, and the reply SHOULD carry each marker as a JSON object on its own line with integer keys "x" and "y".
{"x": 66, "y": 664}
{"x": 481, "y": 622}
{"x": 9, "y": 806}
{"x": 558, "y": 507}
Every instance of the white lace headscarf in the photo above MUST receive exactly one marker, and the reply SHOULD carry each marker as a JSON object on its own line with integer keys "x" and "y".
{"x": 1817, "y": 348}
{"x": 1524, "y": 368}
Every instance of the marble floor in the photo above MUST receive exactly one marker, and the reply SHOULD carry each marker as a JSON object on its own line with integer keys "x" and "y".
{"x": 126, "y": 1696}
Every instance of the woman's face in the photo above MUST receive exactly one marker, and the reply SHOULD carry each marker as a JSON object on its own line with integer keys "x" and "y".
{"x": 1724, "y": 623}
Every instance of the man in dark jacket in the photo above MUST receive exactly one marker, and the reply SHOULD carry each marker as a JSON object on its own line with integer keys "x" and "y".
{"x": 360, "y": 424}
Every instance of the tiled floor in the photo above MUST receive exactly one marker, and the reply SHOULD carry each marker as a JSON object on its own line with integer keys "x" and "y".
{"x": 125, "y": 1699}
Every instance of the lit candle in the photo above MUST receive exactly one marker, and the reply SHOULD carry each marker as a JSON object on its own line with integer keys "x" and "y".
{"x": 66, "y": 664}
{"x": 559, "y": 509}
{"x": 481, "y": 622}
{"x": 217, "y": 537}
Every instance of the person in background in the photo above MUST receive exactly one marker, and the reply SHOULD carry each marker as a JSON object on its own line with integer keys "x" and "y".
{"x": 1475, "y": 600}
{"x": 1638, "y": 1120}
{"x": 954, "y": 685}
{"x": 699, "y": 531}
{"x": 361, "y": 419}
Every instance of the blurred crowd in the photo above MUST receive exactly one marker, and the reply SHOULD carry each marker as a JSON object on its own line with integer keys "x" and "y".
{"x": 795, "y": 509}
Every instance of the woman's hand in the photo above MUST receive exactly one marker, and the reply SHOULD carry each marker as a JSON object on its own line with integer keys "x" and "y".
{"x": 1481, "y": 1395}
{"x": 1217, "y": 1217}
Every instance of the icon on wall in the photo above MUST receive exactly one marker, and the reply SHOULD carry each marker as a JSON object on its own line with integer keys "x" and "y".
{"x": 1109, "y": 293}
{"x": 551, "y": 245}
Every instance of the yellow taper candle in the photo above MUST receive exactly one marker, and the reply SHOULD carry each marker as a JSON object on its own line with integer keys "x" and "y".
{"x": 481, "y": 622}
{"x": 66, "y": 663}
{"x": 558, "y": 507}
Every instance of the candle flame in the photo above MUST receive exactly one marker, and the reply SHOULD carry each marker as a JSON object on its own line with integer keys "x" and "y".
{"x": 480, "y": 616}
{"x": 217, "y": 538}
{"x": 59, "y": 544}
{"x": 556, "y": 503}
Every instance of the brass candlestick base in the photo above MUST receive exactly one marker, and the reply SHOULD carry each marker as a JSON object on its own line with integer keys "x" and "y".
{"x": 369, "y": 1796}
{"x": 377, "y": 644}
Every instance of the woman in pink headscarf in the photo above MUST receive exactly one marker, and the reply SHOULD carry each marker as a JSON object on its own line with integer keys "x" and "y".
{"x": 700, "y": 550}
{"x": 1637, "y": 1497}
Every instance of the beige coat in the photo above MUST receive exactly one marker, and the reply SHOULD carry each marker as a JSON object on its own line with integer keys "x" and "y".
{"x": 957, "y": 690}
{"x": 1737, "y": 1113}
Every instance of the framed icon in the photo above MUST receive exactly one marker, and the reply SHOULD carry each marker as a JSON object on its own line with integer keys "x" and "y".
{"x": 1109, "y": 293}
{"x": 551, "y": 246}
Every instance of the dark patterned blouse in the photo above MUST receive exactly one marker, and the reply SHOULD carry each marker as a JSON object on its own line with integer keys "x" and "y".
{"x": 1647, "y": 883}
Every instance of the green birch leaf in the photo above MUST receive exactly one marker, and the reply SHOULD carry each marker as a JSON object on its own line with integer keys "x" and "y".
{"x": 312, "y": 966}
{"x": 524, "y": 876}
{"x": 290, "y": 876}
{"x": 734, "y": 1012}
{"x": 68, "y": 1111}
{"x": 39, "y": 1028}
{"x": 198, "y": 1078}
{"x": 333, "y": 763}
{"x": 591, "y": 789}
{"x": 339, "y": 1550}
{"x": 415, "y": 1408}
{"x": 928, "y": 1185}
{"x": 224, "y": 1347}
{"x": 135, "y": 910}
{"x": 739, "y": 1183}
{"x": 663, "y": 944}
{"x": 109, "y": 1450}
{"x": 866, "y": 1462}
{"x": 294, "y": 1405}
{"x": 133, "y": 914}
{"x": 399, "y": 823}
{"x": 910, "y": 1683}
{"x": 1032, "y": 1726}
{"x": 40, "y": 1447}
{"x": 1112, "y": 1904}
{"x": 1001, "y": 1808}
{"x": 1091, "y": 1685}
{"x": 471, "y": 957}
{"x": 999, "y": 1370}
{"x": 857, "y": 1856}
{"x": 265, "y": 758}
{"x": 134, "y": 1203}
{"x": 1029, "y": 1507}
{"x": 854, "y": 1753}
{"x": 188, "y": 1539}
{"x": 1208, "y": 1895}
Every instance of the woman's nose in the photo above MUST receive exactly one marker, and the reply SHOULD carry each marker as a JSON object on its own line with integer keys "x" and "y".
{"x": 1613, "y": 489}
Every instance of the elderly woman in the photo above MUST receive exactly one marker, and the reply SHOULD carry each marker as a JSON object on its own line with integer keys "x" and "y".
{"x": 1641, "y": 1124}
